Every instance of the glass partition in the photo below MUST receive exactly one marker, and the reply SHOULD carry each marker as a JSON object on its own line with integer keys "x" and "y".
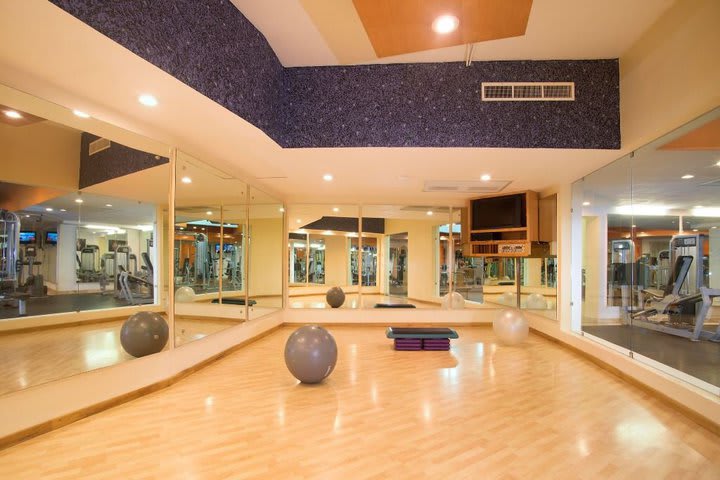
{"x": 68, "y": 228}
{"x": 323, "y": 246}
{"x": 649, "y": 223}
{"x": 265, "y": 262}
{"x": 209, "y": 250}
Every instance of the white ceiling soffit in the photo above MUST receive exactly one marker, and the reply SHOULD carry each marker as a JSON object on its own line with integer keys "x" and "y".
{"x": 557, "y": 29}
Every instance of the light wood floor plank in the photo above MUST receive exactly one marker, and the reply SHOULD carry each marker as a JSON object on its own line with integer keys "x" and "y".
{"x": 480, "y": 411}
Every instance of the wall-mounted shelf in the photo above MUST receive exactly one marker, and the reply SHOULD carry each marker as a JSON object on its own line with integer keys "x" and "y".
{"x": 516, "y": 217}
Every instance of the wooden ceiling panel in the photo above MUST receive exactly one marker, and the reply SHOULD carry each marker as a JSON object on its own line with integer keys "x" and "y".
{"x": 404, "y": 26}
{"x": 706, "y": 137}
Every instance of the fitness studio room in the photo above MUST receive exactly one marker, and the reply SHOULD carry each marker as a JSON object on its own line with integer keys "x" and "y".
{"x": 359, "y": 239}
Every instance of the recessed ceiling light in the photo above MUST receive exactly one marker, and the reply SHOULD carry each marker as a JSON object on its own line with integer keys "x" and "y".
{"x": 718, "y": 163}
{"x": 585, "y": 204}
{"x": 49, "y": 209}
{"x": 209, "y": 212}
{"x": 298, "y": 221}
{"x": 108, "y": 204}
{"x": 445, "y": 24}
{"x": 27, "y": 216}
{"x": 686, "y": 177}
{"x": 327, "y": 177}
{"x": 336, "y": 209}
{"x": 713, "y": 228}
{"x": 429, "y": 212}
{"x": 12, "y": 114}
{"x": 634, "y": 226}
{"x": 485, "y": 177}
{"x": 148, "y": 100}
{"x": 81, "y": 114}
{"x": 78, "y": 200}
{"x": 698, "y": 206}
{"x": 695, "y": 229}
{"x": 186, "y": 180}
{"x": 63, "y": 210}
{"x": 281, "y": 209}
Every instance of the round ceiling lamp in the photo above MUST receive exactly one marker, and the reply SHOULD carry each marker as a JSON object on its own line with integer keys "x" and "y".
{"x": 445, "y": 24}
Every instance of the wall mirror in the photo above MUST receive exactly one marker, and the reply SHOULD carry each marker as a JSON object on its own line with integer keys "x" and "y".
{"x": 323, "y": 246}
{"x": 650, "y": 260}
{"x": 210, "y": 250}
{"x": 81, "y": 202}
{"x": 267, "y": 250}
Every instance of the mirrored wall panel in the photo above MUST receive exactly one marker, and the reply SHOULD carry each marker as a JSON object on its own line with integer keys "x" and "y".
{"x": 323, "y": 255}
{"x": 209, "y": 251}
{"x": 651, "y": 254}
{"x": 81, "y": 212}
{"x": 265, "y": 261}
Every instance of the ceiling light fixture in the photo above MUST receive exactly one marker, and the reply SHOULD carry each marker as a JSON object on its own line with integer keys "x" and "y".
{"x": 49, "y": 209}
{"x": 78, "y": 200}
{"x": 209, "y": 212}
{"x": 718, "y": 163}
{"x": 485, "y": 177}
{"x": 298, "y": 221}
{"x": 186, "y": 180}
{"x": 687, "y": 177}
{"x": 81, "y": 114}
{"x": 698, "y": 206}
{"x": 429, "y": 213}
{"x": 281, "y": 209}
{"x": 327, "y": 177}
{"x": 445, "y": 24}
{"x": 148, "y": 100}
{"x": 336, "y": 209}
{"x": 12, "y": 114}
{"x": 586, "y": 204}
{"x": 63, "y": 210}
{"x": 108, "y": 205}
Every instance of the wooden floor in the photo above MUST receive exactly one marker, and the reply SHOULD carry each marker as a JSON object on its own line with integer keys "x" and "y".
{"x": 536, "y": 411}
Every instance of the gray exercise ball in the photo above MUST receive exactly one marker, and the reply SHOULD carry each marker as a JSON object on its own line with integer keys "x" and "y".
{"x": 335, "y": 297}
{"x": 310, "y": 354}
{"x": 511, "y": 326}
{"x": 144, "y": 333}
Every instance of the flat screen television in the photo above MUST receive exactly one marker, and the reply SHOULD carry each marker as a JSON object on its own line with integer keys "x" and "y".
{"x": 51, "y": 238}
{"x": 507, "y": 211}
{"x": 28, "y": 237}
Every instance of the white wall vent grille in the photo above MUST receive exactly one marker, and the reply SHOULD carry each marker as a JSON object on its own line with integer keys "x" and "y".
{"x": 491, "y": 186}
{"x": 527, "y": 91}
{"x": 98, "y": 145}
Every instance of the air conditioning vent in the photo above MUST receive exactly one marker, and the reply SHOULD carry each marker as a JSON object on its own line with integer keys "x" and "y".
{"x": 491, "y": 186}
{"x": 98, "y": 146}
{"x": 527, "y": 91}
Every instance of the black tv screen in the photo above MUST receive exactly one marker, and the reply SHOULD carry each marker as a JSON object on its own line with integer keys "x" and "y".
{"x": 507, "y": 211}
{"x": 51, "y": 238}
{"x": 28, "y": 237}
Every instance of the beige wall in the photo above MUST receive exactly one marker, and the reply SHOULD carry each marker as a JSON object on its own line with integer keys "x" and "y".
{"x": 40, "y": 154}
{"x": 265, "y": 262}
{"x": 422, "y": 255}
{"x": 672, "y": 73}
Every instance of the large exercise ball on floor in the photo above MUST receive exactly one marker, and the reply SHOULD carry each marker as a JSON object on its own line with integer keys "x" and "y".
{"x": 511, "y": 326}
{"x": 185, "y": 295}
{"x": 335, "y": 297}
{"x": 453, "y": 301}
{"x": 536, "y": 301}
{"x": 310, "y": 354}
{"x": 144, "y": 333}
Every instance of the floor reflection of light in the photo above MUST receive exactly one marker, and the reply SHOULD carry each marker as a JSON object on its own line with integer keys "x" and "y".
{"x": 449, "y": 375}
{"x": 281, "y": 416}
{"x": 338, "y": 424}
{"x": 479, "y": 350}
{"x": 374, "y": 394}
{"x": 427, "y": 411}
{"x": 22, "y": 381}
{"x": 583, "y": 448}
{"x": 209, "y": 402}
{"x": 640, "y": 433}
{"x": 101, "y": 349}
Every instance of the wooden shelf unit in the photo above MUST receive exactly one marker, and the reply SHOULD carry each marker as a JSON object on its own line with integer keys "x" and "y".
{"x": 501, "y": 242}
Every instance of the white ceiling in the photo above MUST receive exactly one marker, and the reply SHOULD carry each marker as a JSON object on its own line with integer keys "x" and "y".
{"x": 47, "y": 52}
{"x": 557, "y": 29}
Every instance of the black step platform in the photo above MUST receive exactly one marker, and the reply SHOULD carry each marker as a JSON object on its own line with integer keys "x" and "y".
{"x": 394, "y": 305}
{"x": 419, "y": 338}
{"x": 234, "y": 301}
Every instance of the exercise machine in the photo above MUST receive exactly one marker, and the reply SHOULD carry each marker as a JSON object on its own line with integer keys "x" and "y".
{"x": 31, "y": 282}
{"x": 137, "y": 289}
{"x": 675, "y": 313}
{"x": 620, "y": 272}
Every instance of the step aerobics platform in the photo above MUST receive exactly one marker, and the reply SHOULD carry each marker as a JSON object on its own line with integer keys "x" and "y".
{"x": 419, "y": 338}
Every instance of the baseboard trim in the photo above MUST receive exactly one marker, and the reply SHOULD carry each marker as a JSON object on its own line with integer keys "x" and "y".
{"x": 59, "y": 422}
{"x": 696, "y": 417}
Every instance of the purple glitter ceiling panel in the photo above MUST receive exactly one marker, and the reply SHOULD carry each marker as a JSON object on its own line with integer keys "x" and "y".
{"x": 212, "y": 47}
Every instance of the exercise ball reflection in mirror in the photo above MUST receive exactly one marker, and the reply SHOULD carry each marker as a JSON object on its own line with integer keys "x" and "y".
{"x": 310, "y": 354}
{"x": 185, "y": 295}
{"x": 454, "y": 301}
{"x": 508, "y": 298}
{"x": 144, "y": 333}
{"x": 335, "y": 297}
{"x": 536, "y": 301}
{"x": 511, "y": 326}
